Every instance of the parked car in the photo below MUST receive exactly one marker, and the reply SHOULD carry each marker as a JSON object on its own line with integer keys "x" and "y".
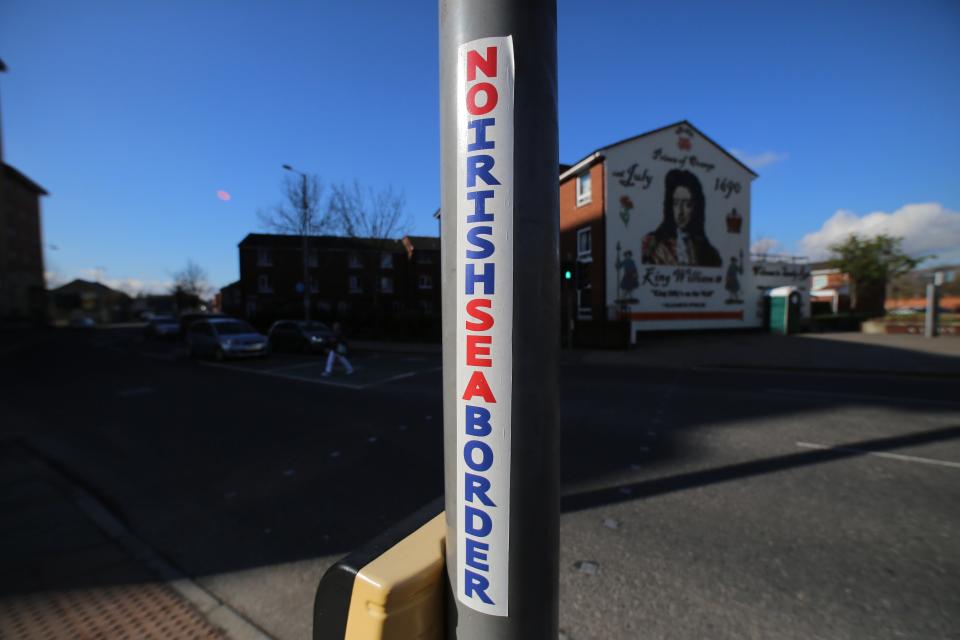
{"x": 161, "y": 327}
{"x": 300, "y": 336}
{"x": 222, "y": 338}
{"x": 82, "y": 322}
{"x": 190, "y": 317}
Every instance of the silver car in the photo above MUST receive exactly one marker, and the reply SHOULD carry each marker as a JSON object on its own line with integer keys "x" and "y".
{"x": 222, "y": 338}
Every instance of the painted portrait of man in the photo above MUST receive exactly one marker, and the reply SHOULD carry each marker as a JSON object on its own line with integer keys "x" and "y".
{"x": 680, "y": 238}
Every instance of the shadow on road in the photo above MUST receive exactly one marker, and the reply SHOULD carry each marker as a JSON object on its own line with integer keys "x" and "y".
{"x": 223, "y": 471}
{"x": 648, "y": 488}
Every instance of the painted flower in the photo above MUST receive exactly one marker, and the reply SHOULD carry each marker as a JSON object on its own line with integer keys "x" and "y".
{"x": 626, "y": 202}
{"x": 684, "y": 143}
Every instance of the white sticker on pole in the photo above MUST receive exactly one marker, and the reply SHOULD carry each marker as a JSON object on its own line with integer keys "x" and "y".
{"x": 485, "y": 79}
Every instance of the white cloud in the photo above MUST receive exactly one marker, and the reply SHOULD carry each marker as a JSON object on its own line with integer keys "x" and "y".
{"x": 925, "y": 228}
{"x": 53, "y": 278}
{"x": 133, "y": 286}
{"x": 759, "y": 160}
{"x": 766, "y": 246}
{"x": 95, "y": 274}
{"x": 130, "y": 286}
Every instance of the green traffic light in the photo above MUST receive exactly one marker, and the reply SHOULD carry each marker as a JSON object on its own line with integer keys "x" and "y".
{"x": 567, "y": 274}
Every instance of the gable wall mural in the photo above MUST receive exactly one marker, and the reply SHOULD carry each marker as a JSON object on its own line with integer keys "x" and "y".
{"x": 678, "y": 233}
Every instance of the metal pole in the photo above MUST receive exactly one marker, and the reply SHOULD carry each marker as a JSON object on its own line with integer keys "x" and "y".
{"x": 304, "y": 206}
{"x": 930, "y": 319}
{"x": 501, "y": 301}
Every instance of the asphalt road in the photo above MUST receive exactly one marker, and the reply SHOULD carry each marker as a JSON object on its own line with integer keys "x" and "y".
{"x": 697, "y": 503}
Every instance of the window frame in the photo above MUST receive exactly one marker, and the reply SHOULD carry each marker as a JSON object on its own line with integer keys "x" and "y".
{"x": 584, "y": 197}
{"x": 263, "y": 284}
{"x": 380, "y": 282}
{"x": 585, "y": 255}
{"x": 353, "y": 283}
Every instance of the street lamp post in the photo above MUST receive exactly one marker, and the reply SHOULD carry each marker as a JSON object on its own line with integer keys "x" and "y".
{"x": 304, "y": 212}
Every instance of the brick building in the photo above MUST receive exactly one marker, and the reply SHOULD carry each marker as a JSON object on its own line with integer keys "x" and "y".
{"x": 829, "y": 288}
{"x": 387, "y": 287}
{"x": 22, "y": 285}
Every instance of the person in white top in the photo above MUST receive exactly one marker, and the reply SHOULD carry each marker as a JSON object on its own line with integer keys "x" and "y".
{"x": 336, "y": 352}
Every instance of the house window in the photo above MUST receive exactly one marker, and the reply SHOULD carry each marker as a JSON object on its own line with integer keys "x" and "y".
{"x": 584, "y": 289}
{"x": 386, "y": 284}
{"x": 584, "y": 244}
{"x": 585, "y": 303}
{"x": 355, "y": 286}
{"x": 343, "y": 307}
{"x": 264, "y": 258}
{"x": 263, "y": 284}
{"x": 424, "y": 258}
{"x": 426, "y": 306}
{"x": 583, "y": 188}
{"x": 355, "y": 261}
{"x": 425, "y": 282}
{"x": 314, "y": 286}
{"x": 313, "y": 258}
{"x": 386, "y": 260}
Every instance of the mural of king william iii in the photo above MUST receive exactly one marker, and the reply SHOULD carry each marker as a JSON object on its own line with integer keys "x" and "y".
{"x": 680, "y": 239}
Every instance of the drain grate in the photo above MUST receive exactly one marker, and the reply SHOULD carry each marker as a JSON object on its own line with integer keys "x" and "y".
{"x": 124, "y": 612}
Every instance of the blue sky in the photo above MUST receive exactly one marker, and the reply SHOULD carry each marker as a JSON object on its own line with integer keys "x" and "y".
{"x": 134, "y": 114}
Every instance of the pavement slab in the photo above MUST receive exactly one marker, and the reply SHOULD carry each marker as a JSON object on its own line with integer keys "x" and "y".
{"x": 64, "y": 576}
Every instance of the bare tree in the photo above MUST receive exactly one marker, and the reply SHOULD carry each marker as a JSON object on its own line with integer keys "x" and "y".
{"x": 301, "y": 214}
{"x": 360, "y": 212}
{"x": 190, "y": 285}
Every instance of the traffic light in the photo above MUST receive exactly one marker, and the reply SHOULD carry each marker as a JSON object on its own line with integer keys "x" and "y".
{"x": 566, "y": 271}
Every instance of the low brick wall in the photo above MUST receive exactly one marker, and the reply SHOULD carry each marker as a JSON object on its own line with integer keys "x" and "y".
{"x": 873, "y": 326}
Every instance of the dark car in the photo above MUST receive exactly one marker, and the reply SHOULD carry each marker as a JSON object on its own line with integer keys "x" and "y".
{"x": 300, "y": 336}
{"x": 161, "y": 327}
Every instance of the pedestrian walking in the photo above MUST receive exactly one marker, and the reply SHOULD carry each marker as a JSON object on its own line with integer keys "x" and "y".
{"x": 336, "y": 352}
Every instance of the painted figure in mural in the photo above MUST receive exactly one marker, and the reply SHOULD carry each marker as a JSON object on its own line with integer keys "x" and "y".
{"x": 630, "y": 279}
{"x": 626, "y": 204}
{"x": 732, "y": 283}
{"x": 680, "y": 238}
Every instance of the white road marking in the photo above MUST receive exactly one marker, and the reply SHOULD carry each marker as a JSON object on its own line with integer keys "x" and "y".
{"x": 859, "y": 396}
{"x": 169, "y": 357}
{"x": 882, "y": 454}
{"x": 401, "y": 376}
{"x": 301, "y": 365}
{"x": 278, "y": 372}
{"x": 137, "y": 391}
{"x": 324, "y": 381}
